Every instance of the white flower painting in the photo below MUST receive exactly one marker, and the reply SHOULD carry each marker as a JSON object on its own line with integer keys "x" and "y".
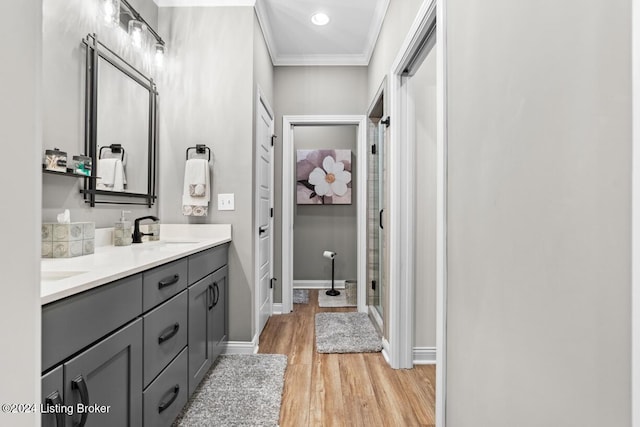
{"x": 323, "y": 177}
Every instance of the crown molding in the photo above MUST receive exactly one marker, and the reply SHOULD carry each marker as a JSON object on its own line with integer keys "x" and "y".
{"x": 318, "y": 60}
{"x": 204, "y": 3}
{"x": 265, "y": 26}
{"x": 376, "y": 27}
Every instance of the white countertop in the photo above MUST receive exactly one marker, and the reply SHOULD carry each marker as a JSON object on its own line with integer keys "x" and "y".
{"x": 63, "y": 277}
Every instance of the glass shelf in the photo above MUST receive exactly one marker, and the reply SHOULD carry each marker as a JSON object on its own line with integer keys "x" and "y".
{"x": 77, "y": 175}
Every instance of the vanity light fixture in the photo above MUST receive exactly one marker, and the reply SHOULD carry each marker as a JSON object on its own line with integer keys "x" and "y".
{"x": 111, "y": 12}
{"x": 320, "y": 18}
{"x": 138, "y": 29}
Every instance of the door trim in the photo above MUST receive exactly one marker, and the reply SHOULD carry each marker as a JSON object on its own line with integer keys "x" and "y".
{"x": 402, "y": 194}
{"x": 288, "y": 123}
{"x": 261, "y": 99}
{"x": 635, "y": 214}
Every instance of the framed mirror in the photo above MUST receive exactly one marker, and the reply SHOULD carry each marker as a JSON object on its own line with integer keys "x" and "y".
{"x": 120, "y": 129}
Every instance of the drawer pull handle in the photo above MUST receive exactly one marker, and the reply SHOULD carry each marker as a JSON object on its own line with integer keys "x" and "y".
{"x": 216, "y": 292}
{"x": 54, "y": 399}
{"x": 169, "y": 281}
{"x": 211, "y": 296}
{"x": 169, "y": 334}
{"x": 80, "y": 385}
{"x": 165, "y": 405}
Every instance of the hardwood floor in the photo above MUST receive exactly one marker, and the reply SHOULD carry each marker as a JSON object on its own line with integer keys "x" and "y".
{"x": 343, "y": 389}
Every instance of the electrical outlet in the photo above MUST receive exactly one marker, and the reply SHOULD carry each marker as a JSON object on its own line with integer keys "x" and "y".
{"x": 226, "y": 202}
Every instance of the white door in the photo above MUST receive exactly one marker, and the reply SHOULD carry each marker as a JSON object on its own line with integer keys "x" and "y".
{"x": 264, "y": 214}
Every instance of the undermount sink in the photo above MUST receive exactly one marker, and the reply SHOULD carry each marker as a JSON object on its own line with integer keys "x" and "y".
{"x": 58, "y": 275}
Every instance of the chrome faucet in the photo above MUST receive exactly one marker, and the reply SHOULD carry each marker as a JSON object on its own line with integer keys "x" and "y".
{"x": 137, "y": 234}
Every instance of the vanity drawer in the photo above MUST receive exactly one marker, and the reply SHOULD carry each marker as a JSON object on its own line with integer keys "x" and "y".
{"x": 206, "y": 262}
{"x": 161, "y": 283}
{"x": 73, "y": 323}
{"x": 165, "y": 397}
{"x": 165, "y": 335}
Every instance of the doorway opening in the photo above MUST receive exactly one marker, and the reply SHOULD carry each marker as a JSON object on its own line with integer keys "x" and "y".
{"x": 289, "y": 194}
{"x": 423, "y": 38}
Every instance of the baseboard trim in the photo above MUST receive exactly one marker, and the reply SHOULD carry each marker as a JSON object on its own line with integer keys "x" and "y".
{"x": 242, "y": 347}
{"x": 385, "y": 351}
{"x": 277, "y": 308}
{"x": 424, "y": 355}
{"x": 317, "y": 284}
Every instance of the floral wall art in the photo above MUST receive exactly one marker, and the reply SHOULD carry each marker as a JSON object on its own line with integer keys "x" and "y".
{"x": 323, "y": 177}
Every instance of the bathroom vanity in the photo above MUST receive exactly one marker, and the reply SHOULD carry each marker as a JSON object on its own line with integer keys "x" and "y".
{"x": 129, "y": 332}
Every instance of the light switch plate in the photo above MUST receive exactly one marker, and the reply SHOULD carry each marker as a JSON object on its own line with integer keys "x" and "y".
{"x": 226, "y": 202}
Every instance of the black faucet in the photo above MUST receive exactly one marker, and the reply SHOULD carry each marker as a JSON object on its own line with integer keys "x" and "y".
{"x": 137, "y": 234}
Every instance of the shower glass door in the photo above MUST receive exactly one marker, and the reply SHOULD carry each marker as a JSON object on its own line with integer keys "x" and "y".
{"x": 376, "y": 217}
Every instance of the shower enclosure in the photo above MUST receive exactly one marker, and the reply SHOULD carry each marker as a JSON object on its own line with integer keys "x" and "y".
{"x": 376, "y": 242}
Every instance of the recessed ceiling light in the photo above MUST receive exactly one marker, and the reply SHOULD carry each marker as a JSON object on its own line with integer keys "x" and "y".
{"x": 320, "y": 18}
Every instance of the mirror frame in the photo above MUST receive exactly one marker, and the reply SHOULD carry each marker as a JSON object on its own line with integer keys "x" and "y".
{"x": 96, "y": 50}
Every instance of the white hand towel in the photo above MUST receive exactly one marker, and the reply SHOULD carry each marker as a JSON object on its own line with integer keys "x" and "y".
{"x": 197, "y": 188}
{"x": 111, "y": 173}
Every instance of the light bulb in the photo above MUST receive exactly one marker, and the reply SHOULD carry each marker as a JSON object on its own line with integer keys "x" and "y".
{"x": 110, "y": 12}
{"x": 159, "y": 56}
{"x": 136, "y": 32}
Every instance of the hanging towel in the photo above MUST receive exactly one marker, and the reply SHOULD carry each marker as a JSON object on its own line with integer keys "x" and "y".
{"x": 197, "y": 188}
{"x": 111, "y": 173}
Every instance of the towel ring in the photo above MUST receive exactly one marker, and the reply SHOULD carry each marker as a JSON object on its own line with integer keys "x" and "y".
{"x": 200, "y": 149}
{"x": 114, "y": 148}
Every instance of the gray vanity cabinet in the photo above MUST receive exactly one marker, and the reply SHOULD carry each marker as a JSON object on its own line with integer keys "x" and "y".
{"x": 138, "y": 346}
{"x": 219, "y": 311}
{"x": 110, "y": 374}
{"x": 52, "y": 395}
{"x": 207, "y": 311}
{"x": 200, "y": 342}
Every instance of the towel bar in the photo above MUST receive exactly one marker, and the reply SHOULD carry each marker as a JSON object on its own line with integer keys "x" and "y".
{"x": 114, "y": 148}
{"x": 200, "y": 149}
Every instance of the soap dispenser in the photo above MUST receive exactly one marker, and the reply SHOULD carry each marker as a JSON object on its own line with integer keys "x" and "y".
{"x": 123, "y": 231}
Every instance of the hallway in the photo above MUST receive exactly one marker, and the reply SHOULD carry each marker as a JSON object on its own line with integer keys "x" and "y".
{"x": 343, "y": 389}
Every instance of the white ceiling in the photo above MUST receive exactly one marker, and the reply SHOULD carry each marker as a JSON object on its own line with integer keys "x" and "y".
{"x": 348, "y": 39}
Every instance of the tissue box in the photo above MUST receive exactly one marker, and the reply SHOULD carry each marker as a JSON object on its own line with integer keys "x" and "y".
{"x": 68, "y": 240}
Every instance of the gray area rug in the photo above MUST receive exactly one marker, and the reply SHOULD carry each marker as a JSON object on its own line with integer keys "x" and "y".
{"x": 301, "y": 296}
{"x": 325, "y": 300}
{"x": 239, "y": 390}
{"x": 346, "y": 333}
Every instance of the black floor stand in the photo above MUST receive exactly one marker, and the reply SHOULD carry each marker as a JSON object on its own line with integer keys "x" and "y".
{"x": 332, "y": 292}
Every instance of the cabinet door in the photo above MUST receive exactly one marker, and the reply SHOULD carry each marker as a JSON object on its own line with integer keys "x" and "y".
{"x": 52, "y": 396}
{"x": 200, "y": 344}
{"x": 109, "y": 374}
{"x": 218, "y": 315}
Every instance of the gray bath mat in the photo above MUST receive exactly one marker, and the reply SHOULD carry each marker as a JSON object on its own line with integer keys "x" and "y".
{"x": 240, "y": 390}
{"x": 301, "y": 296}
{"x": 325, "y": 300}
{"x": 346, "y": 333}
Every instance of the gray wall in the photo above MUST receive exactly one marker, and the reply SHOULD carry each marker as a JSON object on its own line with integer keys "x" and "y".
{"x": 317, "y": 228}
{"x": 209, "y": 98}
{"x": 422, "y": 89}
{"x": 539, "y": 213}
{"x": 311, "y": 90}
{"x": 65, "y": 24}
{"x": 21, "y": 132}
{"x": 400, "y": 15}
